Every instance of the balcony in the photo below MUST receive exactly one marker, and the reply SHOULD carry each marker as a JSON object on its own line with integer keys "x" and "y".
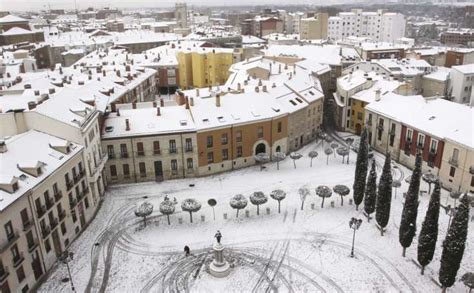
{"x": 32, "y": 245}
{"x": 188, "y": 149}
{"x": 18, "y": 260}
{"x": 62, "y": 215}
{"x": 141, "y": 153}
{"x": 111, "y": 156}
{"x": 86, "y": 190}
{"x": 69, "y": 185}
{"x": 76, "y": 178}
{"x": 95, "y": 173}
{"x": 173, "y": 151}
{"x": 3, "y": 274}
{"x": 41, "y": 211}
{"x": 45, "y": 230}
{"x": 11, "y": 238}
{"x": 82, "y": 172}
{"x": 124, "y": 155}
{"x": 72, "y": 202}
{"x": 157, "y": 152}
{"x": 471, "y": 170}
{"x": 453, "y": 161}
{"x": 58, "y": 195}
{"x": 27, "y": 225}
{"x": 80, "y": 196}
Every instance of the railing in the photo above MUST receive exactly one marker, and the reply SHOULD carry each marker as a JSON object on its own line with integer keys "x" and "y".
{"x": 54, "y": 223}
{"x": 41, "y": 211}
{"x": 3, "y": 274}
{"x": 62, "y": 215}
{"x": 188, "y": 149}
{"x": 86, "y": 190}
{"x": 157, "y": 152}
{"x": 453, "y": 161}
{"x": 80, "y": 195}
{"x": 27, "y": 225}
{"x": 173, "y": 151}
{"x": 58, "y": 195}
{"x": 49, "y": 203}
{"x": 111, "y": 156}
{"x": 69, "y": 185}
{"x": 76, "y": 178}
{"x": 32, "y": 245}
{"x": 140, "y": 153}
{"x": 72, "y": 202}
{"x": 124, "y": 155}
{"x": 18, "y": 259}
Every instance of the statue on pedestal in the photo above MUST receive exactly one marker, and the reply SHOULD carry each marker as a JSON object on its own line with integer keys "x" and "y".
{"x": 219, "y": 267}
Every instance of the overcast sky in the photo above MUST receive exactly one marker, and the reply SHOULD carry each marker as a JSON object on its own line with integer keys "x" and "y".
{"x": 31, "y": 5}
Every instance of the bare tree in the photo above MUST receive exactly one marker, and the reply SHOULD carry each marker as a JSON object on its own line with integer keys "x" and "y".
{"x": 342, "y": 151}
{"x": 342, "y": 190}
{"x": 238, "y": 202}
{"x": 278, "y": 195}
{"x": 312, "y": 155}
{"x": 191, "y": 206}
{"x": 278, "y": 157}
{"x": 323, "y": 191}
{"x": 295, "y": 156}
{"x": 334, "y": 146}
{"x": 303, "y": 192}
{"x": 328, "y": 152}
{"x": 258, "y": 198}
{"x": 167, "y": 207}
{"x": 144, "y": 210}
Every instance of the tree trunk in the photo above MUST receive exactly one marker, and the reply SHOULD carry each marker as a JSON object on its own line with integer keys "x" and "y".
{"x": 343, "y": 159}
{"x": 278, "y": 206}
{"x": 144, "y": 220}
{"x": 311, "y": 162}
{"x": 237, "y": 214}
{"x": 443, "y": 289}
{"x": 368, "y": 218}
{"x": 302, "y": 203}
{"x": 357, "y": 207}
{"x": 335, "y": 154}
{"x": 348, "y": 157}
{"x": 168, "y": 216}
{"x": 294, "y": 163}
{"x": 278, "y": 165}
{"x": 327, "y": 160}
{"x": 404, "y": 251}
{"x": 381, "y": 231}
{"x": 423, "y": 270}
{"x": 322, "y": 203}
{"x": 342, "y": 201}
{"x": 258, "y": 210}
{"x": 191, "y": 216}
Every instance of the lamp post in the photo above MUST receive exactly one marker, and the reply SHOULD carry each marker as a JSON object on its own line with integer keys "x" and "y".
{"x": 65, "y": 258}
{"x": 354, "y": 224}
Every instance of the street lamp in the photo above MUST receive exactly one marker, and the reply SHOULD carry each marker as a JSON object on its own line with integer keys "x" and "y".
{"x": 354, "y": 224}
{"x": 65, "y": 258}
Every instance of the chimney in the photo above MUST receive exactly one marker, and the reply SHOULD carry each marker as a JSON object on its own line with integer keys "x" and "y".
{"x": 243, "y": 90}
{"x": 279, "y": 68}
{"x": 197, "y": 92}
{"x": 264, "y": 88}
{"x": 22, "y": 68}
{"x": 154, "y": 104}
{"x": 218, "y": 100}
{"x": 158, "y": 111}
{"x": 118, "y": 73}
{"x": 37, "y": 92}
{"x": 52, "y": 91}
{"x": 103, "y": 73}
{"x": 260, "y": 82}
{"x": 377, "y": 95}
{"x": 191, "y": 102}
{"x": 162, "y": 103}
{"x": 3, "y": 146}
{"x": 134, "y": 105}
{"x": 274, "y": 85}
{"x": 31, "y": 105}
{"x": 127, "y": 125}
{"x": 187, "y": 103}
{"x": 246, "y": 82}
{"x": 286, "y": 66}
{"x": 257, "y": 89}
{"x": 127, "y": 68}
{"x": 239, "y": 86}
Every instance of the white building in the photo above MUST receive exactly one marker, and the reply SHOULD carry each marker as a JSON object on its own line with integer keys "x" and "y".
{"x": 461, "y": 82}
{"x": 380, "y": 25}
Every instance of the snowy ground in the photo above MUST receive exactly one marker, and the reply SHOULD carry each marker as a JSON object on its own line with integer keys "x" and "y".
{"x": 294, "y": 251}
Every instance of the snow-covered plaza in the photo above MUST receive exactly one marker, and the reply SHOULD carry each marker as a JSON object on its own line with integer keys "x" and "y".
{"x": 296, "y": 250}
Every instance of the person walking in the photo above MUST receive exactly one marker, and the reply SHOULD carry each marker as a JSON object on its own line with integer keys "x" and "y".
{"x": 186, "y": 250}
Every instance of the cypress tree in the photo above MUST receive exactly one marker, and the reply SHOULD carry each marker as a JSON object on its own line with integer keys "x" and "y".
{"x": 361, "y": 169}
{"x": 384, "y": 195}
{"x": 407, "y": 229}
{"x": 370, "y": 192}
{"x": 429, "y": 230}
{"x": 454, "y": 244}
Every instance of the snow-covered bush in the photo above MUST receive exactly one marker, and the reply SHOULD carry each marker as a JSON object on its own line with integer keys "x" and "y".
{"x": 258, "y": 198}
{"x": 278, "y": 195}
{"x": 191, "y": 206}
{"x": 238, "y": 202}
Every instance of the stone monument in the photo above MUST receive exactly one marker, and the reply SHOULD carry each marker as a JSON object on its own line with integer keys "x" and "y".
{"x": 219, "y": 267}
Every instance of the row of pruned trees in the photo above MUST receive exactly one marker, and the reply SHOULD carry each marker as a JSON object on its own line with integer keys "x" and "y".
{"x": 378, "y": 200}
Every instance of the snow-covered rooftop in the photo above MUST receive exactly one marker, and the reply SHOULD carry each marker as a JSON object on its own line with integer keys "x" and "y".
{"x": 465, "y": 69}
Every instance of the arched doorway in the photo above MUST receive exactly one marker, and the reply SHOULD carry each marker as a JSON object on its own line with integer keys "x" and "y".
{"x": 260, "y": 148}
{"x": 278, "y": 149}
{"x": 358, "y": 129}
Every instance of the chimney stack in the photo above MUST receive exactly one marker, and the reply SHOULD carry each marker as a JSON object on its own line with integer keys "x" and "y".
{"x": 187, "y": 103}
{"x": 118, "y": 112}
{"x": 260, "y": 82}
{"x": 197, "y": 92}
{"x": 377, "y": 95}
{"x": 274, "y": 85}
{"x": 154, "y": 104}
{"x": 31, "y": 105}
{"x": 3, "y": 146}
{"x": 191, "y": 102}
{"x": 264, "y": 88}
{"x": 279, "y": 68}
{"x": 239, "y": 86}
{"x": 158, "y": 111}
{"x": 162, "y": 103}
{"x": 134, "y": 105}
{"x": 257, "y": 89}
{"x": 218, "y": 100}
{"x": 127, "y": 125}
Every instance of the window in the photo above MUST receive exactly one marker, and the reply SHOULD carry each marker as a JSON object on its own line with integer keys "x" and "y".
{"x": 421, "y": 140}
{"x": 24, "y": 218}
{"x": 20, "y": 273}
{"x": 359, "y": 115}
{"x": 260, "y": 132}
{"x": 126, "y": 171}
{"x": 472, "y": 181}
{"x": 434, "y": 146}
{"x": 174, "y": 166}
{"x": 156, "y": 148}
{"x": 63, "y": 228}
{"x": 189, "y": 145}
{"x": 239, "y": 151}
{"x": 238, "y": 136}
{"x": 172, "y": 143}
{"x": 113, "y": 171}
{"x": 225, "y": 154}
{"x": 140, "y": 150}
{"x": 409, "y": 135}
{"x": 47, "y": 245}
{"x": 279, "y": 127}
{"x": 210, "y": 157}
{"x": 224, "y": 139}
{"x": 452, "y": 171}
{"x": 189, "y": 163}
{"x": 209, "y": 141}
{"x": 73, "y": 216}
{"x": 142, "y": 168}
{"x": 455, "y": 157}
{"x": 123, "y": 151}
{"x": 9, "y": 230}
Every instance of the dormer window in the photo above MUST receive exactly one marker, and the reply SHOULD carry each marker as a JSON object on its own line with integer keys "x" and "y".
{"x": 15, "y": 186}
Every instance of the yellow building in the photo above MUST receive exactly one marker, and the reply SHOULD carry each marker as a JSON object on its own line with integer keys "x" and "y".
{"x": 205, "y": 67}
